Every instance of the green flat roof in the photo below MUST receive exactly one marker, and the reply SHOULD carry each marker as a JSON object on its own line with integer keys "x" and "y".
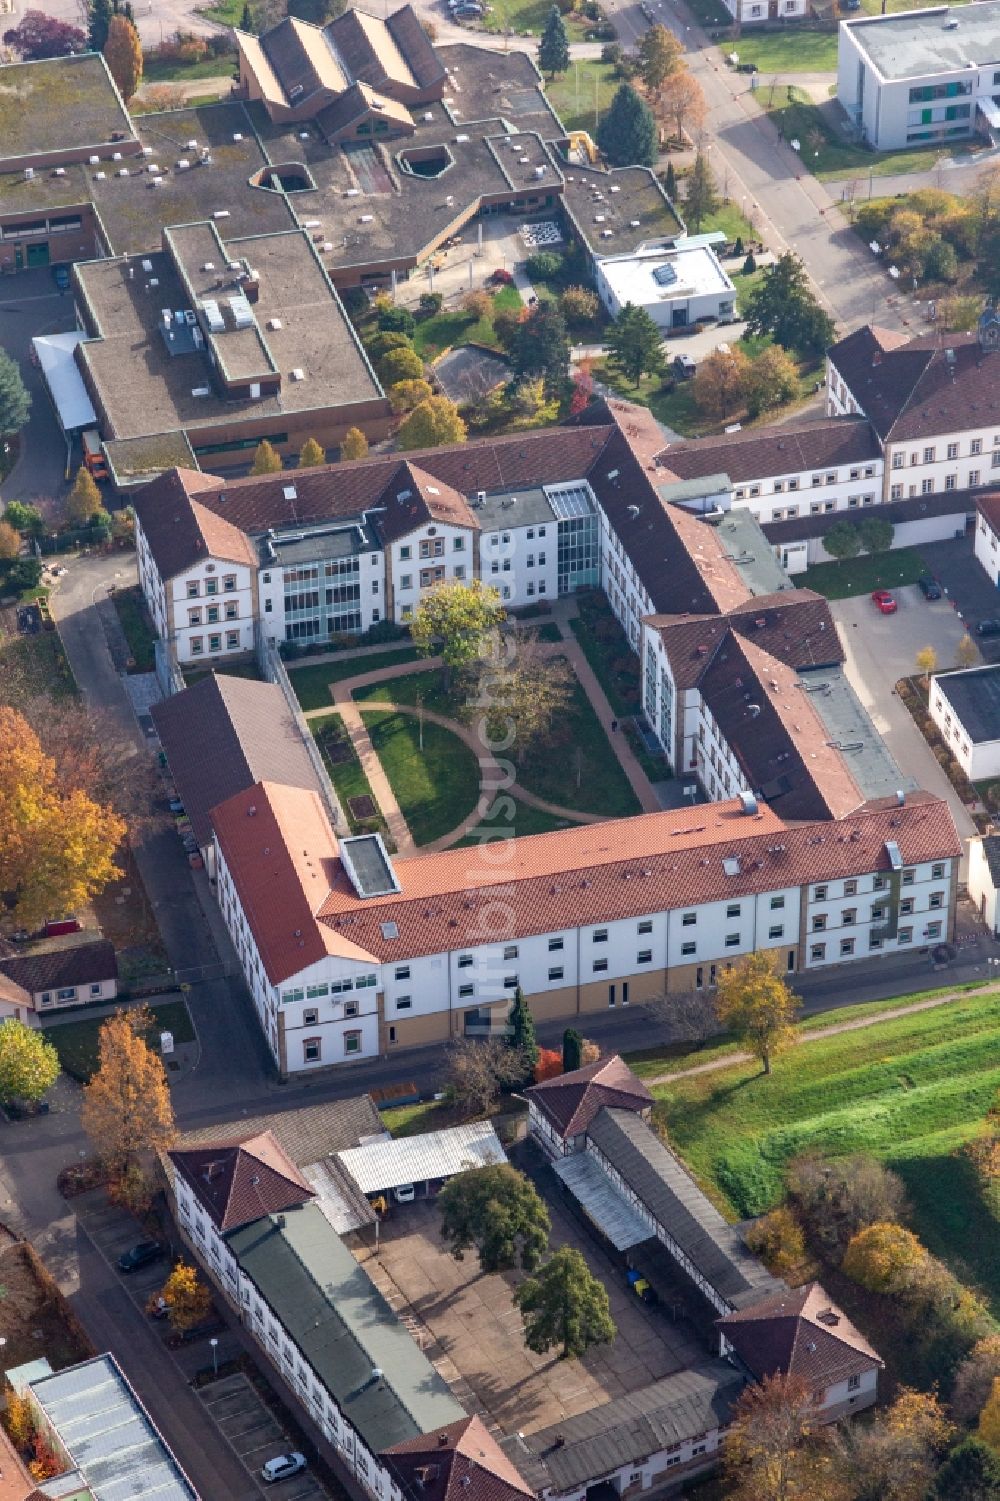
{"x": 344, "y": 1327}
{"x": 59, "y": 104}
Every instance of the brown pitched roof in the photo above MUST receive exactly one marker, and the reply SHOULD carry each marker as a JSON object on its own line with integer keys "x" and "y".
{"x": 794, "y": 625}
{"x": 413, "y": 42}
{"x": 239, "y": 1182}
{"x": 957, "y": 503}
{"x": 180, "y": 531}
{"x": 775, "y": 733}
{"x": 572, "y": 1100}
{"x": 462, "y": 1462}
{"x": 281, "y": 853}
{"x": 413, "y": 497}
{"x": 630, "y": 867}
{"x": 799, "y": 1333}
{"x": 13, "y": 993}
{"x": 909, "y": 389}
{"x": 988, "y": 507}
{"x": 788, "y": 448}
{"x": 304, "y": 1134}
{"x": 224, "y": 734}
{"x": 83, "y": 964}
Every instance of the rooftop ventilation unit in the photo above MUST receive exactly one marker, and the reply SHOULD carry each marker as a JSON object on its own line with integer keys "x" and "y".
{"x": 290, "y": 492}
{"x": 100, "y": 176}
{"x": 152, "y": 168}
{"x": 242, "y": 312}
{"x": 366, "y": 218}
{"x": 274, "y": 324}
{"x": 461, "y": 139}
{"x": 183, "y": 165}
{"x": 190, "y": 145}
{"x": 29, "y": 173}
{"x": 59, "y": 172}
{"x": 122, "y": 172}
{"x": 201, "y": 390}
{"x": 220, "y": 213}
{"x": 116, "y": 156}
{"x": 213, "y": 317}
{"x": 749, "y": 803}
{"x": 147, "y": 265}
{"x": 208, "y": 266}
{"x": 237, "y": 135}
{"x": 93, "y": 160}
{"x": 297, "y": 374}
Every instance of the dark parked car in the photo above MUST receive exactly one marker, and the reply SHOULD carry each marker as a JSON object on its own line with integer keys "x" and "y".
{"x": 988, "y": 628}
{"x": 144, "y": 1254}
{"x": 929, "y": 588}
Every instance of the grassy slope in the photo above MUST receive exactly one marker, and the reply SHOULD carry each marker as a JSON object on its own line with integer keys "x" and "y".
{"x": 909, "y": 1090}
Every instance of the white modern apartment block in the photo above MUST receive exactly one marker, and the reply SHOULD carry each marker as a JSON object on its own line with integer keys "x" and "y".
{"x": 922, "y": 76}
{"x": 965, "y": 706}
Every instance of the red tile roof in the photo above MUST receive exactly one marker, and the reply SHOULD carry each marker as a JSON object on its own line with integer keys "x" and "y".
{"x": 572, "y": 1100}
{"x": 427, "y": 498}
{"x": 628, "y": 868}
{"x": 282, "y": 856}
{"x": 181, "y": 531}
{"x": 794, "y": 625}
{"x": 799, "y": 1333}
{"x": 462, "y": 1462}
{"x": 242, "y": 1181}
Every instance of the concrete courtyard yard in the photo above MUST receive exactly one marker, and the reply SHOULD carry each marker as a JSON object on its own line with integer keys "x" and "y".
{"x": 469, "y": 1327}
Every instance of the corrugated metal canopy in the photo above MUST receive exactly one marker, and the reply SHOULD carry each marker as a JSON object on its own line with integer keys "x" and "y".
{"x": 594, "y": 1191}
{"x": 62, "y": 376}
{"x": 392, "y": 1162}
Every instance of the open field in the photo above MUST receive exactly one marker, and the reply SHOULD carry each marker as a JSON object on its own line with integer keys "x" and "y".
{"x": 582, "y": 94}
{"x": 876, "y": 570}
{"x": 791, "y": 51}
{"x": 910, "y": 1090}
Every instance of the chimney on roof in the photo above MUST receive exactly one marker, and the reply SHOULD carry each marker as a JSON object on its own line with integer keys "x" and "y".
{"x": 442, "y": 1440}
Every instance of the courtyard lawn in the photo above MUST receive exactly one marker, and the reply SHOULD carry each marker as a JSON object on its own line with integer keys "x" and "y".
{"x": 133, "y": 616}
{"x": 575, "y": 93}
{"x": 347, "y": 774}
{"x": 791, "y": 51}
{"x": 872, "y": 570}
{"x": 910, "y": 1090}
{"x": 524, "y": 820}
{"x": 452, "y": 327}
{"x": 606, "y": 648}
{"x": 158, "y": 69}
{"x": 76, "y": 1042}
{"x": 312, "y": 683}
{"x": 436, "y": 787}
{"x": 826, "y": 154}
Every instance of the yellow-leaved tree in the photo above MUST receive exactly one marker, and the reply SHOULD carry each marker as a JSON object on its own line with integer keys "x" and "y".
{"x": 187, "y": 1298}
{"x": 311, "y": 455}
{"x": 84, "y": 500}
{"x": 989, "y": 1418}
{"x": 57, "y": 848}
{"x": 126, "y": 1106}
{"x": 354, "y": 444}
{"x": 883, "y": 1257}
{"x": 266, "y": 459}
{"x": 123, "y": 55}
{"x": 431, "y": 423}
{"x": 754, "y": 1002}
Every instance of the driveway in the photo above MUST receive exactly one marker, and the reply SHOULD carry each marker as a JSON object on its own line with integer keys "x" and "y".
{"x": 30, "y": 305}
{"x": 880, "y": 650}
{"x": 968, "y": 587}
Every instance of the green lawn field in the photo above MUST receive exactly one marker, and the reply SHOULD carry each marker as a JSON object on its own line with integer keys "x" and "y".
{"x": 910, "y": 1090}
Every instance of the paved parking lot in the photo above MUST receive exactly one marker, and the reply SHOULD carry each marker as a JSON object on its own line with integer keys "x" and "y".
{"x": 968, "y": 587}
{"x": 255, "y": 1434}
{"x": 471, "y": 1330}
{"x": 880, "y": 650}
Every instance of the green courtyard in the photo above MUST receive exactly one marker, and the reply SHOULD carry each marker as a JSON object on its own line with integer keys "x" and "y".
{"x": 910, "y": 1090}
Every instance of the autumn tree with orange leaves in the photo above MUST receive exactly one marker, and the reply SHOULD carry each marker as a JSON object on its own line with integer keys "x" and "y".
{"x": 127, "y": 1111}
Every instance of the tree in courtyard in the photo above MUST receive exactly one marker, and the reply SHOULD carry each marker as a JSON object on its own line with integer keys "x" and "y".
{"x": 565, "y": 1305}
{"x": 843, "y": 541}
{"x": 123, "y": 55}
{"x": 660, "y": 56}
{"x": 496, "y": 1211}
{"x": 784, "y": 306}
{"x": 29, "y": 1064}
{"x": 682, "y": 104}
{"x": 379, "y": 344}
{"x": 635, "y": 344}
{"x": 883, "y": 1257}
{"x": 720, "y": 383}
{"x": 876, "y": 533}
{"x": 572, "y": 1050}
{"x": 835, "y": 1199}
{"x": 627, "y": 133}
{"x": 521, "y": 1036}
{"x": 187, "y": 1298}
{"x": 15, "y": 403}
{"x": 894, "y": 1456}
{"x": 266, "y": 459}
{"x": 430, "y": 424}
{"x": 966, "y": 652}
{"x": 10, "y": 542}
{"x": 971, "y": 1472}
{"x": 771, "y": 380}
{"x": 521, "y": 692}
{"x": 400, "y": 364}
{"x": 39, "y": 36}
{"x": 754, "y": 1002}
{"x": 701, "y": 197}
{"x": 354, "y": 444}
{"x": 407, "y": 394}
{"x": 126, "y": 1106}
{"x": 989, "y": 1418}
{"x": 477, "y": 1073}
{"x": 24, "y": 518}
{"x": 539, "y": 345}
{"x": 57, "y": 848}
{"x": 974, "y": 1379}
{"x": 455, "y": 620}
{"x": 766, "y": 1452}
{"x": 311, "y": 454}
{"x": 927, "y": 661}
{"x": 99, "y": 14}
{"x": 583, "y": 388}
{"x": 553, "y": 49}
{"x": 397, "y": 320}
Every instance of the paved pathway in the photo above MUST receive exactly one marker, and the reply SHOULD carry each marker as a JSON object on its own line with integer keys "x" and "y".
{"x": 730, "y": 1059}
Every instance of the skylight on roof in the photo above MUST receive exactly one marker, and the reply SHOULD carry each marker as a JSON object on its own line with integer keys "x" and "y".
{"x": 389, "y": 929}
{"x": 569, "y": 500}
{"x": 366, "y": 861}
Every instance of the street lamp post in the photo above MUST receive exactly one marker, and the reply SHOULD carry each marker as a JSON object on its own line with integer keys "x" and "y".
{"x": 215, "y": 1355}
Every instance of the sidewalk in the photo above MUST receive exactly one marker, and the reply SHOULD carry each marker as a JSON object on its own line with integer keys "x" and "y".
{"x": 316, "y": 659}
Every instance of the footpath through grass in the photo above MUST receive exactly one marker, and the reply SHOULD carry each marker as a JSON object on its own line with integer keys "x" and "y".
{"x": 312, "y": 683}
{"x": 437, "y": 786}
{"x": 875, "y": 570}
{"x": 910, "y": 1091}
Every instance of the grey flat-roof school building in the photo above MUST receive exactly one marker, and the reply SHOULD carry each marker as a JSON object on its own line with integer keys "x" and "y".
{"x": 922, "y": 77}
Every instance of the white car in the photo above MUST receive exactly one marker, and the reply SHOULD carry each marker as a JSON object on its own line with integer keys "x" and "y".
{"x": 405, "y": 1193}
{"x": 282, "y": 1467}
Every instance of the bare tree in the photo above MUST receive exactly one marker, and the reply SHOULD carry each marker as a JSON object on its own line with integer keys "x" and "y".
{"x": 523, "y": 691}
{"x": 836, "y": 1199}
{"x": 93, "y": 754}
{"x": 477, "y": 1072}
{"x": 689, "y": 1014}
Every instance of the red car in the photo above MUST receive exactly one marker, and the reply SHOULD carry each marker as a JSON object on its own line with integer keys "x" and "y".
{"x": 884, "y": 602}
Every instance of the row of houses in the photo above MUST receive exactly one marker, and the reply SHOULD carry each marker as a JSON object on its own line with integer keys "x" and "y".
{"x": 267, "y": 1224}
